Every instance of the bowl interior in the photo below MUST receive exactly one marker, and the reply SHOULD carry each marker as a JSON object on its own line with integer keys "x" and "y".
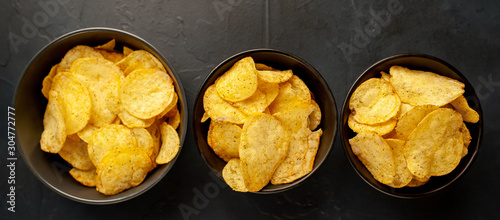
{"x": 30, "y": 106}
{"x": 278, "y": 60}
{"x": 425, "y": 63}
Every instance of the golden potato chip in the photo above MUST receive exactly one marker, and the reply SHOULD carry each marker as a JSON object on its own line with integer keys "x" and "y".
{"x": 261, "y": 66}
{"x": 80, "y": 51}
{"x": 381, "y": 128}
{"x": 256, "y": 103}
{"x": 139, "y": 59}
{"x": 374, "y": 101}
{"x": 402, "y": 176}
{"x": 205, "y": 117}
{"x": 107, "y": 139}
{"x": 47, "y": 81}
{"x": 145, "y": 93}
{"x": 275, "y": 76}
{"x": 219, "y": 109}
{"x": 154, "y": 131}
{"x": 239, "y": 82}
{"x": 270, "y": 90}
{"x": 86, "y": 132}
{"x": 76, "y": 154}
{"x": 85, "y": 177}
{"x": 315, "y": 116}
{"x": 144, "y": 141}
{"x": 224, "y": 139}
{"x": 461, "y": 106}
{"x": 75, "y": 100}
{"x": 233, "y": 176}
{"x": 122, "y": 169}
{"x": 174, "y": 118}
{"x": 435, "y": 145}
{"x": 54, "y": 128}
{"x": 133, "y": 122}
{"x": 424, "y": 88}
{"x": 416, "y": 182}
{"x": 127, "y": 51}
{"x": 385, "y": 76}
{"x": 110, "y": 45}
{"x": 173, "y": 104}
{"x": 113, "y": 56}
{"x": 170, "y": 144}
{"x": 103, "y": 79}
{"x": 376, "y": 155}
{"x": 289, "y": 95}
{"x": 411, "y": 119}
{"x": 405, "y": 107}
{"x": 263, "y": 146}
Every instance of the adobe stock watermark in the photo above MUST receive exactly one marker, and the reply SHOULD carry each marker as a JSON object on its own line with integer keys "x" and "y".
{"x": 484, "y": 89}
{"x": 201, "y": 199}
{"x": 364, "y": 35}
{"x": 31, "y": 26}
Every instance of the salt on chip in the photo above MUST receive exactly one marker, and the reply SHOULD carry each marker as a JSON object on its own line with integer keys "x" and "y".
{"x": 233, "y": 177}
{"x": 54, "y": 132}
{"x": 107, "y": 139}
{"x": 374, "y": 101}
{"x": 80, "y": 51}
{"x": 417, "y": 87}
{"x": 47, "y": 81}
{"x": 85, "y": 177}
{"x": 145, "y": 93}
{"x": 410, "y": 120}
{"x": 239, "y": 82}
{"x": 376, "y": 155}
{"x": 263, "y": 146}
{"x": 76, "y": 154}
{"x": 224, "y": 139}
{"x": 170, "y": 144}
{"x": 139, "y": 59}
{"x": 381, "y": 128}
{"x": 402, "y": 176}
{"x": 220, "y": 109}
{"x": 461, "y": 106}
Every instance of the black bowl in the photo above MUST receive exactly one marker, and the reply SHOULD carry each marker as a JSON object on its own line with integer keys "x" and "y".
{"x": 280, "y": 60}
{"x": 30, "y": 106}
{"x": 425, "y": 63}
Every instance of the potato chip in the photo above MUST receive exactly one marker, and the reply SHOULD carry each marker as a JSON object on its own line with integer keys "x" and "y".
{"x": 110, "y": 45}
{"x": 289, "y": 95}
{"x": 417, "y": 87}
{"x": 219, "y": 109}
{"x": 233, "y": 176}
{"x": 205, "y": 117}
{"x": 76, "y": 154}
{"x": 381, "y": 128}
{"x": 103, "y": 79}
{"x": 261, "y": 66}
{"x": 122, "y": 169}
{"x": 256, "y": 103}
{"x": 411, "y": 119}
{"x": 127, "y": 51}
{"x": 154, "y": 131}
{"x": 107, "y": 139}
{"x": 224, "y": 138}
{"x": 263, "y": 146}
{"x": 170, "y": 144}
{"x": 461, "y": 106}
{"x": 75, "y": 100}
{"x": 275, "y": 76}
{"x": 174, "y": 118}
{"x": 315, "y": 116}
{"x": 85, "y": 177}
{"x": 416, "y": 182}
{"x": 435, "y": 145}
{"x": 376, "y": 155}
{"x": 139, "y": 59}
{"x": 239, "y": 82}
{"x": 270, "y": 90}
{"x": 145, "y": 93}
{"x": 113, "y": 56}
{"x": 385, "y": 76}
{"x": 133, "y": 122}
{"x": 47, "y": 81}
{"x": 374, "y": 101}
{"x": 402, "y": 176}
{"x": 86, "y": 132}
{"x": 144, "y": 141}
{"x": 54, "y": 128}
{"x": 169, "y": 107}
{"x": 80, "y": 51}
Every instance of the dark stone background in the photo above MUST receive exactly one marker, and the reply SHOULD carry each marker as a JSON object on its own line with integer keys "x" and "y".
{"x": 197, "y": 35}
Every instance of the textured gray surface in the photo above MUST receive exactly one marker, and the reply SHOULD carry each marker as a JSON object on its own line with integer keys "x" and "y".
{"x": 340, "y": 38}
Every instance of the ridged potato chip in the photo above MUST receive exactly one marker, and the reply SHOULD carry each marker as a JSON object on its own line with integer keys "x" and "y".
{"x": 239, "y": 82}
{"x": 381, "y": 128}
{"x": 233, "y": 177}
{"x": 220, "y": 109}
{"x": 275, "y": 76}
{"x": 402, "y": 176}
{"x": 80, "y": 51}
{"x": 374, "y": 101}
{"x": 170, "y": 144}
{"x": 76, "y": 153}
{"x": 417, "y": 87}
{"x": 107, "y": 139}
{"x": 224, "y": 139}
{"x": 139, "y": 59}
{"x": 145, "y": 93}
{"x": 461, "y": 106}
{"x": 54, "y": 128}
{"x": 85, "y": 177}
{"x": 376, "y": 155}
{"x": 410, "y": 120}
{"x": 263, "y": 146}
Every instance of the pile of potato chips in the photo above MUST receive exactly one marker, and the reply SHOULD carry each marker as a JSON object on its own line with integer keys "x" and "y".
{"x": 264, "y": 123}
{"x": 410, "y": 125}
{"x": 111, "y": 115}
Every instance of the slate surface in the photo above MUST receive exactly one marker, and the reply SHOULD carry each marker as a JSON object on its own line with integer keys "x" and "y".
{"x": 340, "y": 38}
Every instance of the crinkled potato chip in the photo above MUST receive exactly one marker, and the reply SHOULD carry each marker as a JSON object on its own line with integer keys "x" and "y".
{"x": 145, "y": 93}
{"x": 410, "y": 120}
{"x": 239, "y": 82}
{"x": 85, "y": 177}
{"x": 122, "y": 169}
{"x": 417, "y": 87}
{"x": 233, "y": 176}
{"x": 224, "y": 139}
{"x": 374, "y": 101}
{"x": 76, "y": 154}
{"x": 107, "y": 139}
{"x": 47, "y": 81}
{"x": 376, "y": 155}
{"x": 263, "y": 146}
{"x": 381, "y": 128}
{"x": 170, "y": 144}
{"x": 275, "y": 76}
{"x": 220, "y": 109}
{"x": 54, "y": 128}
{"x": 461, "y": 106}
{"x": 139, "y": 59}
{"x": 80, "y": 51}
{"x": 402, "y": 176}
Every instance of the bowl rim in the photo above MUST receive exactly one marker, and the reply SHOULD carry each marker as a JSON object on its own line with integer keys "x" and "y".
{"x": 280, "y": 52}
{"x": 184, "y": 110}
{"x": 344, "y": 127}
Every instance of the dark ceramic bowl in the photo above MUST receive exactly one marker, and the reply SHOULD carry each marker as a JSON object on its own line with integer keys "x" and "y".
{"x": 30, "y": 106}
{"x": 279, "y": 60}
{"x": 425, "y": 63}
